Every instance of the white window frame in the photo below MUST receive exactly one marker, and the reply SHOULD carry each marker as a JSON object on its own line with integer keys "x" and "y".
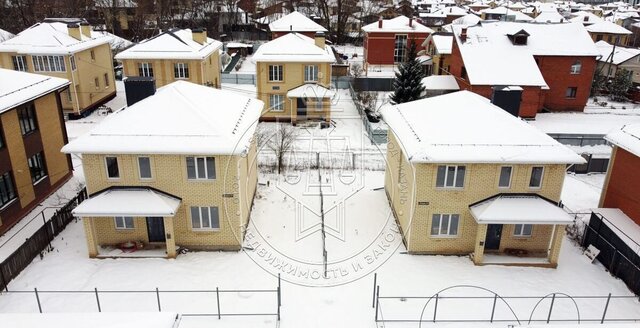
{"x": 403, "y": 49}
{"x": 207, "y": 175}
{"x": 20, "y": 63}
{"x": 140, "y": 170}
{"x": 48, "y": 63}
{"x": 448, "y": 233}
{"x": 510, "y": 177}
{"x": 277, "y": 72}
{"x": 122, "y": 225}
{"x": 106, "y": 167}
{"x": 279, "y": 105}
{"x": 541, "y": 177}
{"x": 519, "y": 230}
{"x": 576, "y": 67}
{"x": 209, "y": 211}
{"x": 181, "y": 70}
{"x": 311, "y": 73}
{"x": 455, "y": 177}
{"x": 146, "y": 69}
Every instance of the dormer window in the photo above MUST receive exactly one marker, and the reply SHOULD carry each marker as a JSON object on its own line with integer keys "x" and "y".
{"x": 519, "y": 38}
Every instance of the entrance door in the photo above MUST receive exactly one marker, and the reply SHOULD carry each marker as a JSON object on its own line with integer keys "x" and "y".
{"x": 492, "y": 241}
{"x": 302, "y": 108}
{"x": 155, "y": 229}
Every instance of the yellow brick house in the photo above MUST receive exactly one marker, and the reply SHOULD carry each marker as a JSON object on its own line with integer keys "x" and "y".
{"x": 175, "y": 55}
{"x": 175, "y": 169}
{"x": 66, "y": 49}
{"x": 465, "y": 177}
{"x": 293, "y": 78}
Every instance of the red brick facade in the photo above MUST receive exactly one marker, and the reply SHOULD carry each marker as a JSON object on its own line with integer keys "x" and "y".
{"x": 621, "y": 190}
{"x": 556, "y": 71}
{"x": 378, "y": 46}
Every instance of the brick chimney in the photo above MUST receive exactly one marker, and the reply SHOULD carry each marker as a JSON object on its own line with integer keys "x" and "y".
{"x": 411, "y": 21}
{"x": 463, "y": 34}
{"x": 380, "y": 22}
{"x": 74, "y": 31}
{"x": 85, "y": 29}
{"x": 319, "y": 39}
{"x": 199, "y": 35}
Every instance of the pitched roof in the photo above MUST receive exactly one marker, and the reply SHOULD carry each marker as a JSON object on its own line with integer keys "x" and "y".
{"x": 607, "y": 27}
{"x": 429, "y": 131}
{"x": 518, "y": 16}
{"x": 172, "y": 44}
{"x": 4, "y": 35}
{"x": 296, "y": 22}
{"x": 621, "y": 55}
{"x": 181, "y": 118}
{"x": 51, "y": 38}
{"x": 627, "y": 138}
{"x": 580, "y": 18}
{"x": 17, "y": 88}
{"x": 398, "y": 24}
{"x": 293, "y": 47}
{"x": 549, "y": 17}
{"x": 130, "y": 201}
{"x": 519, "y": 209}
{"x": 443, "y": 43}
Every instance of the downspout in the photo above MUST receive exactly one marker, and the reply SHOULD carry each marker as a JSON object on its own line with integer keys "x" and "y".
{"x": 73, "y": 81}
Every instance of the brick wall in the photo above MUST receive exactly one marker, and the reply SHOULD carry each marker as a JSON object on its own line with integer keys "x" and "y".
{"x": 621, "y": 187}
{"x": 556, "y": 71}
{"x": 378, "y": 47}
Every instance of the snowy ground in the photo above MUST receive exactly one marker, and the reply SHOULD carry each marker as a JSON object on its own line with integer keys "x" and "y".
{"x": 581, "y": 192}
{"x": 247, "y": 66}
{"x": 581, "y": 123}
{"x": 603, "y": 105}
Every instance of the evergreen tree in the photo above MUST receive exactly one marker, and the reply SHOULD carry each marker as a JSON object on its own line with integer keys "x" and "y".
{"x": 598, "y": 84}
{"x": 408, "y": 80}
{"x": 620, "y": 85}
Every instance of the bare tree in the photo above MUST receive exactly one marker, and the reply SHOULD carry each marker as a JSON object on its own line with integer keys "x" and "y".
{"x": 279, "y": 140}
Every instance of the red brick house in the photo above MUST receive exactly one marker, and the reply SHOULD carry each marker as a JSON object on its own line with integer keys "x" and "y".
{"x": 295, "y": 22}
{"x": 622, "y": 184}
{"x": 386, "y": 41}
{"x": 552, "y": 63}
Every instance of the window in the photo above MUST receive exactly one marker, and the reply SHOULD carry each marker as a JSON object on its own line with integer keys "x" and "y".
{"x": 106, "y": 80}
{"x": 72, "y": 59}
{"x": 124, "y": 222}
{"x": 93, "y": 55}
{"x": 450, "y": 176}
{"x": 505, "y": 177}
{"x": 576, "y": 67}
{"x": 7, "y": 191}
{"x": 400, "y": 49}
{"x": 27, "y": 118}
{"x": 181, "y": 70}
{"x": 201, "y": 168}
{"x": 276, "y": 103}
{"x": 444, "y": 225}
{"x": 36, "y": 167}
{"x": 523, "y": 230}
{"x": 48, "y": 63}
{"x": 276, "y": 73}
{"x": 113, "y": 172}
{"x": 311, "y": 73}
{"x": 571, "y": 92}
{"x": 205, "y": 218}
{"x": 598, "y": 37}
{"x": 536, "y": 177}
{"x": 145, "y": 69}
{"x": 19, "y": 63}
{"x": 96, "y": 82}
{"x": 144, "y": 167}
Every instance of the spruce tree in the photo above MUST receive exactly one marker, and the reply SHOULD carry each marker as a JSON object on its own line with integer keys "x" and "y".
{"x": 620, "y": 85}
{"x": 408, "y": 80}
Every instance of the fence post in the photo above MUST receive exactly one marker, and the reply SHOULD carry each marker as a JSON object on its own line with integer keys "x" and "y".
{"x": 35, "y": 290}
{"x": 158, "y": 298}
{"x": 375, "y": 280}
{"x": 377, "y": 301}
{"x": 278, "y": 303}
{"x": 493, "y": 309}
{"x": 553, "y": 299}
{"x": 613, "y": 261}
{"x": 218, "y": 301}
{"x": 279, "y": 291}
{"x": 606, "y": 306}
{"x": 3, "y": 279}
{"x": 435, "y": 309}
{"x": 97, "y": 299}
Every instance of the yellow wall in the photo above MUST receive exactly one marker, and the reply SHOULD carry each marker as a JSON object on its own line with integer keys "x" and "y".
{"x": 84, "y": 93}
{"x": 481, "y": 182}
{"x": 205, "y": 72}
{"x": 610, "y": 38}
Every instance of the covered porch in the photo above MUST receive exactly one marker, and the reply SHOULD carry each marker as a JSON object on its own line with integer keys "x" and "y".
{"x": 129, "y": 222}
{"x": 519, "y": 230}
{"x": 310, "y": 102}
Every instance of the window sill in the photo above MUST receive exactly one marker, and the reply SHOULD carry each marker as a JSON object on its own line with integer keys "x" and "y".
{"x": 201, "y": 180}
{"x": 521, "y": 237}
{"x": 450, "y": 188}
{"x": 205, "y": 230}
{"x": 40, "y": 180}
{"x": 444, "y": 237}
{"x": 3, "y": 207}
{"x": 126, "y": 229}
{"x": 24, "y": 135}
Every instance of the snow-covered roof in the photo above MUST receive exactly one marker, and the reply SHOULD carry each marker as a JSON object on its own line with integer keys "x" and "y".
{"x": 4, "y": 35}
{"x": 238, "y": 45}
{"x": 296, "y": 22}
{"x": 590, "y": 18}
{"x": 607, "y": 27}
{"x": 440, "y": 82}
{"x": 623, "y": 226}
{"x": 451, "y": 11}
{"x": 430, "y": 131}
{"x": 518, "y": 16}
{"x": 134, "y": 201}
{"x": 17, "y": 88}
{"x": 627, "y": 138}
{"x": 51, "y": 38}
{"x": 117, "y": 43}
{"x": 443, "y": 43}
{"x": 468, "y": 20}
{"x": 549, "y": 17}
{"x": 181, "y": 118}
{"x": 620, "y": 55}
{"x": 310, "y": 90}
{"x": 172, "y": 44}
{"x": 399, "y": 24}
{"x": 293, "y": 47}
{"x": 519, "y": 209}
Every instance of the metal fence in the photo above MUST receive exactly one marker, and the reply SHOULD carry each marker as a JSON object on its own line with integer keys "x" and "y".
{"x": 376, "y": 135}
{"x": 373, "y": 83}
{"x": 445, "y": 306}
{"x": 201, "y": 302}
{"x": 298, "y": 160}
{"x": 38, "y": 242}
{"x": 579, "y": 139}
{"x": 239, "y": 78}
{"x": 615, "y": 254}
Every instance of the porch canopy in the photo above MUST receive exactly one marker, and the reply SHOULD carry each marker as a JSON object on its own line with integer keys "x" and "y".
{"x": 518, "y": 209}
{"x": 128, "y": 201}
{"x": 310, "y": 90}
